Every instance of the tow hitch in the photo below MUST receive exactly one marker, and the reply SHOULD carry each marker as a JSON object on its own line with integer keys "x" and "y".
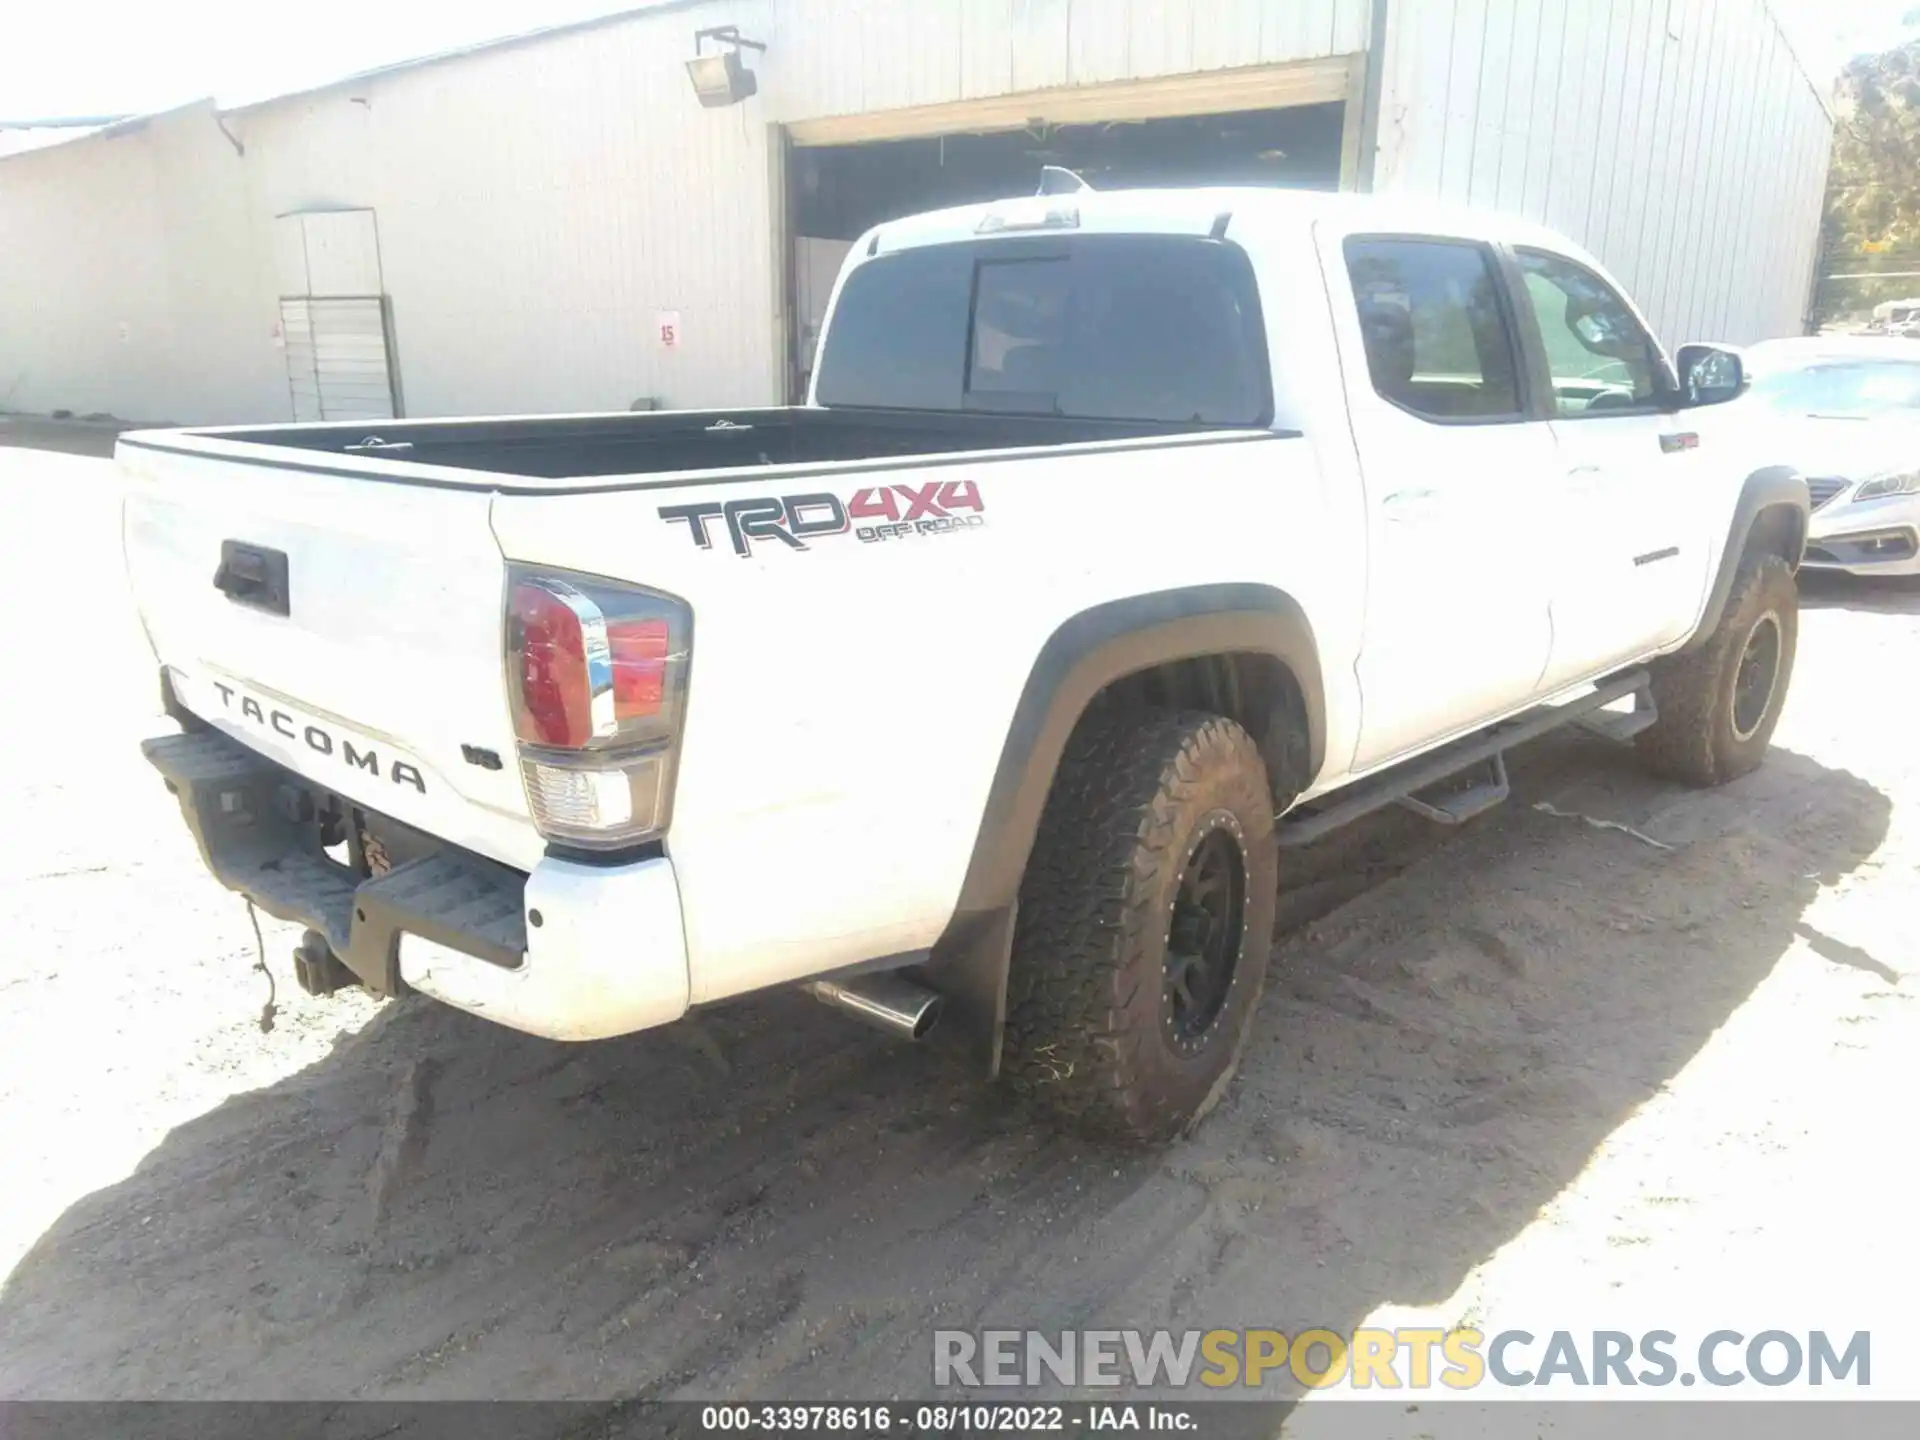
{"x": 317, "y": 969}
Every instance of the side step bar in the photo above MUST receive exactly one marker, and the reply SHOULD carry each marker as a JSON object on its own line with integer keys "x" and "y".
{"x": 1463, "y": 805}
{"x": 1402, "y": 784}
{"x": 1622, "y": 725}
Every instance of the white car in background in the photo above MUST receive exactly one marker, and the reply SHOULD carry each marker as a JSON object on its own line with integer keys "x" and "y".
{"x": 1848, "y": 412}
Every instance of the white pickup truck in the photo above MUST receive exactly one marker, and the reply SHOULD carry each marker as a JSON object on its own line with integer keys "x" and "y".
{"x": 1127, "y": 539}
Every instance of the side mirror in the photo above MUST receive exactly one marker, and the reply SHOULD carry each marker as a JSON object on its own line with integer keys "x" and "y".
{"x": 1710, "y": 374}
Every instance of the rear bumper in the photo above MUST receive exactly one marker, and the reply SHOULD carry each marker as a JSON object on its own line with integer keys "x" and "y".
{"x": 571, "y": 951}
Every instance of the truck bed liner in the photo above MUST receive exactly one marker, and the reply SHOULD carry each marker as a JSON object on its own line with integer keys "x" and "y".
{"x": 561, "y": 447}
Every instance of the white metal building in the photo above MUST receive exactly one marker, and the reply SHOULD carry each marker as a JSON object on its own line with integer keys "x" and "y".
{"x": 554, "y": 223}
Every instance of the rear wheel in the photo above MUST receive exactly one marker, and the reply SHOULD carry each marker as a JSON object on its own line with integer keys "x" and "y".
{"x": 1145, "y": 919}
{"x": 1719, "y": 704}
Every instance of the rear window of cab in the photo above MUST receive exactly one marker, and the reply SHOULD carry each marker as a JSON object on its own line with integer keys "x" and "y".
{"x": 1160, "y": 328}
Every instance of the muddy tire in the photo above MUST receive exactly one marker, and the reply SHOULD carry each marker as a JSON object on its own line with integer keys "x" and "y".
{"x": 1718, "y": 704}
{"x": 1145, "y": 919}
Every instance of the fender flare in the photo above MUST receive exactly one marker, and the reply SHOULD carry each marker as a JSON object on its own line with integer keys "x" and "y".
{"x": 1777, "y": 487}
{"x": 1091, "y": 650}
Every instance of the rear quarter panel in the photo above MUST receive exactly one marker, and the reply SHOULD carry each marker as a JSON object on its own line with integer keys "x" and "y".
{"x": 848, "y": 703}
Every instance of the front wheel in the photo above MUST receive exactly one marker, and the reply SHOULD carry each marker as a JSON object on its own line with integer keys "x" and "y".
{"x": 1719, "y": 704}
{"x": 1145, "y": 918}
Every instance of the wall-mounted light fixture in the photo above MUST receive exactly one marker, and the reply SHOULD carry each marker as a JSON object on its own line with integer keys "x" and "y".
{"x": 722, "y": 79}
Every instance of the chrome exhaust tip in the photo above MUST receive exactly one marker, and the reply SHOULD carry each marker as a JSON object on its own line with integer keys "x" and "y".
{"x": 887, "y": 1001}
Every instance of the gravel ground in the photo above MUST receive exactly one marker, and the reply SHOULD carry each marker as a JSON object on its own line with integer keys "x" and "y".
{"x": 1530, "y": 1074}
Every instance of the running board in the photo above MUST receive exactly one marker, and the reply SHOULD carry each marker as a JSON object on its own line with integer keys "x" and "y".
{"x": 1403, "y": 783}
{"x": 1623, "y": 725}
{"x": 1459, "y": 806}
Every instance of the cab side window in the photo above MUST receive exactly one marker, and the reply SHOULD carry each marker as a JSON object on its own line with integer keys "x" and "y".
{"x": 1438, "y": 339}
{"x": 1600, "y": 357}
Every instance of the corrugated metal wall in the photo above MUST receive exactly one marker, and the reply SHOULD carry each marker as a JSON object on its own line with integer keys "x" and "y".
{"x": 541, "y": 204}
{"x": 538, "y": 206}
{"x": 1679, "y": 140}
{"x": 842, "y": 57}
{"x": 124, "y": 265}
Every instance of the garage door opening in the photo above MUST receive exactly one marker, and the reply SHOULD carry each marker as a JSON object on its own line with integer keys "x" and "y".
{"x": 837, "y": 192}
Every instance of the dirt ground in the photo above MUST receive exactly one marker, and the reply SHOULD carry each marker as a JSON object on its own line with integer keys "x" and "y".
{"x": 1528, "y": 1074}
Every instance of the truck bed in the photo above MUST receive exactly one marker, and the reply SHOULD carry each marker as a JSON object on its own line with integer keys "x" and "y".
{"x": 586, "y": 446}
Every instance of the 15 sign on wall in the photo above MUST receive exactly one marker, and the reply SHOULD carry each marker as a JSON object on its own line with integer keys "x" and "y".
{"x": 667, "y": 327}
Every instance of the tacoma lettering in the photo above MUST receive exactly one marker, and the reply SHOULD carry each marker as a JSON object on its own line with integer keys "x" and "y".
{"x": 321, "y": 741}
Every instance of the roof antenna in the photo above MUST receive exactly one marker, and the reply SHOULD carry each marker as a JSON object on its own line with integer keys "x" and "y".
{"x": 1058, "y": 180}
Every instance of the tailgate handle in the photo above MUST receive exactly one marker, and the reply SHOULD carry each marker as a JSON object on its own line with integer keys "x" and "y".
{"x": 253, "y": 575}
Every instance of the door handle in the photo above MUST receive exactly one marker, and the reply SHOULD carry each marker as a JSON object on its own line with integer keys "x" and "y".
{"x": 254, "y": 576}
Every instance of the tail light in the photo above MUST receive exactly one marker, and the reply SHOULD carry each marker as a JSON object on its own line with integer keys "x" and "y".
{"x": 597, "y": 679}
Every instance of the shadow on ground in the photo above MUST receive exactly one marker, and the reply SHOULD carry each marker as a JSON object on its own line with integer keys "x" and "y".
{"x": 1884, "y": 595}
{"x": 68, "y": 437}
{"x": 766, "y": 1202}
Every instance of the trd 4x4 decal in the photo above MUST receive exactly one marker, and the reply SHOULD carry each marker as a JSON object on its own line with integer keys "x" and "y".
{"x": 792, "y": 520}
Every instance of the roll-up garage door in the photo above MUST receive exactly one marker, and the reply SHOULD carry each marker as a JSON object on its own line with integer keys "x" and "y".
{"x": 339, "y": 361}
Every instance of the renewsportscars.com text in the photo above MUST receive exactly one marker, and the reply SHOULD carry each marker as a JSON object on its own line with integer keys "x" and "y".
{"x": 1402, "y": 1359}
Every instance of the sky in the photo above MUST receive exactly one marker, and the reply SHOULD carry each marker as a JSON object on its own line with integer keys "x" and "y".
{"x": 115, "y": 57}
{"x": 1830, "y": 32}
{"x": 92, "y": 57}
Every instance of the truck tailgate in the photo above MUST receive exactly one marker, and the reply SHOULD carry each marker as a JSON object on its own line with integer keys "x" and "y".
{"x": 348, "y": 628}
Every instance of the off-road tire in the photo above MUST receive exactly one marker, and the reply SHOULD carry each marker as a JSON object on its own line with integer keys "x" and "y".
{"x": 1133, "y": 802}
{"x": 1697, "y": 739}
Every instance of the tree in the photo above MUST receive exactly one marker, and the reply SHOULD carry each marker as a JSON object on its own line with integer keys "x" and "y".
{"x": 1872, "y": 220}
